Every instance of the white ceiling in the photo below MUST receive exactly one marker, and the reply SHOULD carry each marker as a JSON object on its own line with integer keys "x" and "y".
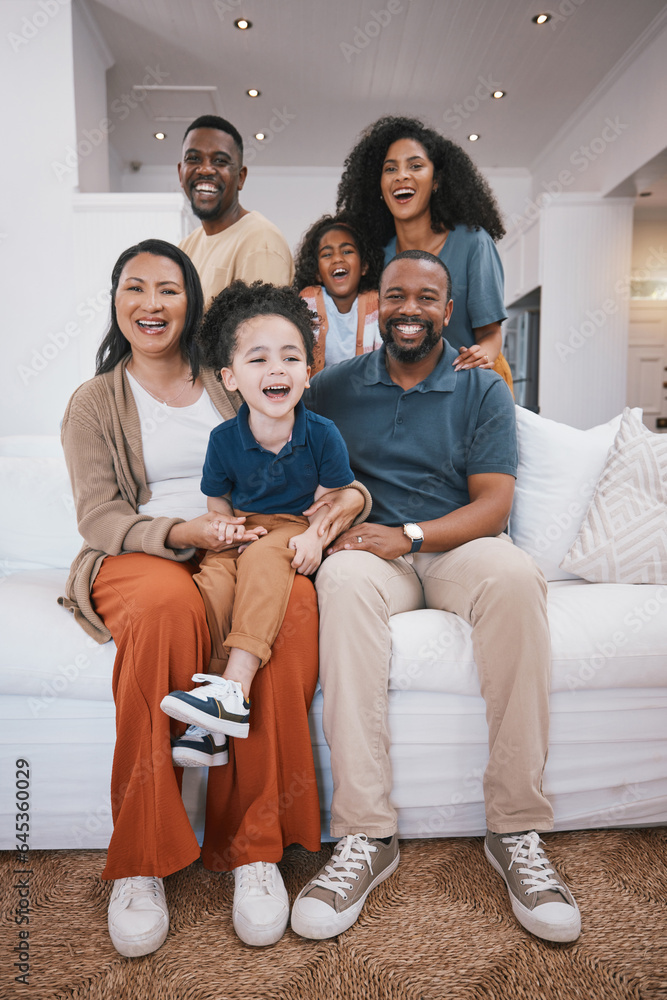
{"x": 428, "y": 56}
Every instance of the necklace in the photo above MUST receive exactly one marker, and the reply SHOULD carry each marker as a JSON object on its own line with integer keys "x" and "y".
{"x": 163, "y": 401}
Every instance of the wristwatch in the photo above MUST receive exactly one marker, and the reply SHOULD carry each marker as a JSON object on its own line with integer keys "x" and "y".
{"x": 415, "y": 534}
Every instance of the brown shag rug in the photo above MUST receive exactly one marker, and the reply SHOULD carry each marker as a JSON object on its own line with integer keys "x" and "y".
{"x": 440, "y": 927}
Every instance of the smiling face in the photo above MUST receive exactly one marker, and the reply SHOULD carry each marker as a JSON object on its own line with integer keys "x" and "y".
{"x": 406, "y": 181}
{"x": 211, "y": 174}
{"x": 339, "y": 267}
{"x": 269, "y": 366}
{"x": 414, "y": 308}
{"x": 151, "y": 305}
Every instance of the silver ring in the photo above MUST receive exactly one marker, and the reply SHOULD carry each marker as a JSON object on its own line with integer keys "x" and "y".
{"x": 359, "y": 539}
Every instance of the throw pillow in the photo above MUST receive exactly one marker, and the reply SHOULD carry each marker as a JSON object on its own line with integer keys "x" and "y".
{"x": 623, "y": 537}
{"x": 558, "y": 469}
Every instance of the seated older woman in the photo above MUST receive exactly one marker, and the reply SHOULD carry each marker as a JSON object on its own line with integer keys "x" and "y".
{"x": 135, "y": 437}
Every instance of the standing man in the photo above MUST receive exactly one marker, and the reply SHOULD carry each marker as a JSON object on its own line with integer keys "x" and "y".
{"x": 231, "y": 241}
{"x": 431, "y": 442}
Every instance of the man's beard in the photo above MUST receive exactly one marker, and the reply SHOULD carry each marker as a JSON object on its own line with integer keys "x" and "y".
{"x": 205, "y": 213}
{"x": 410, "y": 355}
{"x": 211, "y": 212}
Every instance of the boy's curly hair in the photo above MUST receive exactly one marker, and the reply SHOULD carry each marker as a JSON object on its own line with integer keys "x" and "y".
{"x": 240, "y": 302}
{"x": 306, "y": 261}
{"x": 463, "y": 196}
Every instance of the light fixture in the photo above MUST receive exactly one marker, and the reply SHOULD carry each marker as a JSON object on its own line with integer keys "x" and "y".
{"x": 473, "y": 137}
{"x": 541, "y": 18}
{"x": 498, "y": 94}
{"x": 159, "y": 135}
{"x": 242, "y": 24}
{"x": 259, "y": 136}
{"x": 253, "y": 92}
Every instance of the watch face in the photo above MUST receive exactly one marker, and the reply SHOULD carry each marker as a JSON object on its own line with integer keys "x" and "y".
{"x": 413, "y": 531}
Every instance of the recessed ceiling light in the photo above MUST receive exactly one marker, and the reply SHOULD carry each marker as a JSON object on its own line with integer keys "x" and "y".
{"x": 541, "y": 18}
{"x": 253, "y": 92}
{"x": 498, "y": 94}
{"x": 159, "y": 135}
{"x": 242, "y": 24}
{"x": 473, "y": 137}
{"x": 259, "y": 136}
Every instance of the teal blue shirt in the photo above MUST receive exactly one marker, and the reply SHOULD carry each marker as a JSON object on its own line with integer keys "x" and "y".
{"x": 478, "y": 282}
{"x": 414, "y": 449}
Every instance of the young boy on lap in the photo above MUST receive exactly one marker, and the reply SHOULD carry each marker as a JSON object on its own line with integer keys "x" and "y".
{"x": 263, "y": 468}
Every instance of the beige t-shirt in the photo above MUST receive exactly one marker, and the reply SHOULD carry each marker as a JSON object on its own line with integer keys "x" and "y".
{"x": 252, "y": 249}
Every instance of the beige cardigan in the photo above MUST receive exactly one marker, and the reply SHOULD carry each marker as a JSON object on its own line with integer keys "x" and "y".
{"x": 101, "y": 438}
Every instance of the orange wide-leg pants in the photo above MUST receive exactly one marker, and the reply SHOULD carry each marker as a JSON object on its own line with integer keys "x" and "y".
{"x": 266, "y": 796}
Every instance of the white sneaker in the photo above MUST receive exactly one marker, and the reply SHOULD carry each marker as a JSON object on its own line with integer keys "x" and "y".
{"x": 218, "y": 706}
{"x": 261, "y": 907}
{"x": 138, "y": 915}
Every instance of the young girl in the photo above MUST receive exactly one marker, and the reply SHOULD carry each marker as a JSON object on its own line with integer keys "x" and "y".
{"x": 338, "y": 275}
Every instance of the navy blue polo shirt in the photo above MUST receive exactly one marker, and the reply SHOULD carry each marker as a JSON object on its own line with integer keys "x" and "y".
{"x": 265, "y": 483}
{"x": 414, "y": 449}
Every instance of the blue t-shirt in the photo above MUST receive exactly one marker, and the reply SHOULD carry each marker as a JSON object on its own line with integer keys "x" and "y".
{"x": 478, "y": 282}
{"x": 262, "y": 482}
{"x": 414, "y": 449}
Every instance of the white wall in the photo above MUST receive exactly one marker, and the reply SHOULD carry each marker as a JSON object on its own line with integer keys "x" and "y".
{"x": 586, "y": 262}
{"x": 39, "y": 319}
{"x": 649, "y": 243}
{"x": 91, "y": 61}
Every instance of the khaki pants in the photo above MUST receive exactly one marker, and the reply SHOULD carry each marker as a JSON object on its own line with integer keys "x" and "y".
{"x": 246, "y": 595}
{"x": 499, "y": 590}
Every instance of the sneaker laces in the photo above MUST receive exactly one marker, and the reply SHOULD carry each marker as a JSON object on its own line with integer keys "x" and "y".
{"x": 138, "y": 885}
{"x": 258, "y": 877}
{"x": 212, "y": 679}
{"x": 527, "y": 851}
{"x": 193, "y": 730}
{"x": 352, "y": 852}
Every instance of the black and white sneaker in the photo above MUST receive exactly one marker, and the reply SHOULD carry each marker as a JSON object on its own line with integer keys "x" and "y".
{"x": 218, "y": 706}
{"x": 199, "y": 748}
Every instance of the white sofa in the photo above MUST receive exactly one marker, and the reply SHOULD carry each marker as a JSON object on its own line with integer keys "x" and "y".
{"x": 608, "y": 745}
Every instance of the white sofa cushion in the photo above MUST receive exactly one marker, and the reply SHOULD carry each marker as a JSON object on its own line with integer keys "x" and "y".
{"x": 46, "y": 656}
{"x": 602, "y": 636}
{"x": 37, "y": 519}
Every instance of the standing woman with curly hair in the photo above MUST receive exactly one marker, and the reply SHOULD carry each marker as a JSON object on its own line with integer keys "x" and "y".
{"x": 408, "y": 188}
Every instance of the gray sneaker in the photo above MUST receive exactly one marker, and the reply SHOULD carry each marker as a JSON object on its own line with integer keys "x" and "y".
{"x": 541, "y": 901}
{"x": 332, "y": 901}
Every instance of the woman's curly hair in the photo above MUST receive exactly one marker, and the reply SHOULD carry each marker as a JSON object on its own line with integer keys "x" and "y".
{"x": 463, "y": 197}
{"x": 306, "y": 261}
{"x": 239, "y": 302}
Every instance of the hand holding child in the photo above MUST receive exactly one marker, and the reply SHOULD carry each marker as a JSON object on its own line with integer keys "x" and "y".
{"x": 308, "y": 549}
